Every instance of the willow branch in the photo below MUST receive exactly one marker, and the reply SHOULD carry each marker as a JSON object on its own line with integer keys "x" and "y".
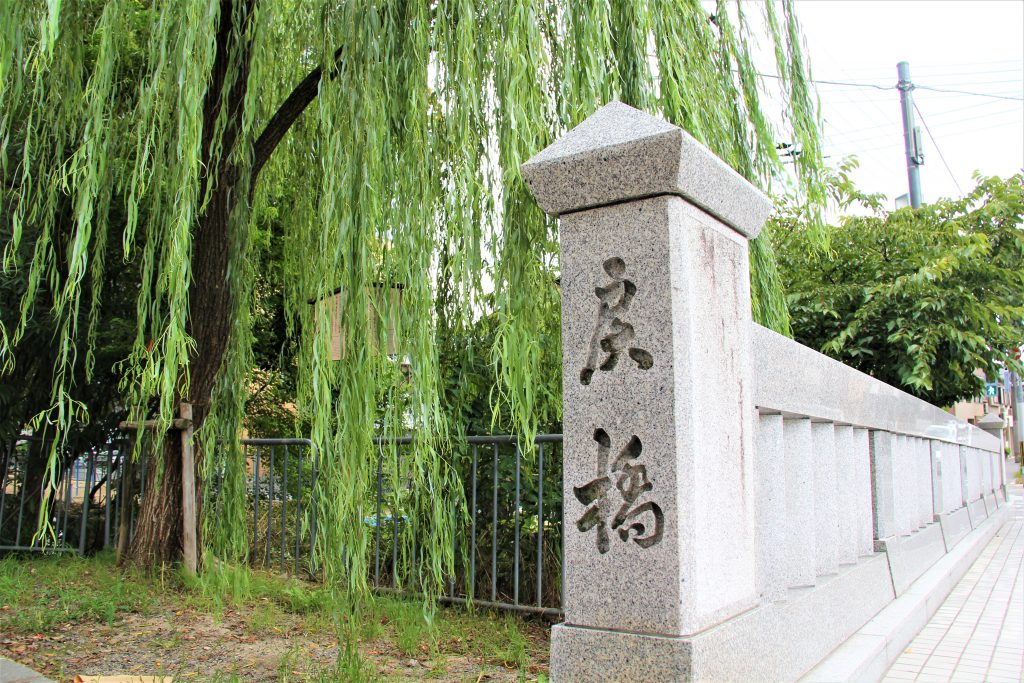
{"x": 286, "y": 115}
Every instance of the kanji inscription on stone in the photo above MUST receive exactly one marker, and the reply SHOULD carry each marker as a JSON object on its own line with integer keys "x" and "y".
{"x": 631, "y": 482}
{"x": 612, "y": 333}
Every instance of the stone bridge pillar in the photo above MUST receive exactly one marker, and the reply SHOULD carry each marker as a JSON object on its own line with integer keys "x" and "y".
{"x": 658, "y": 418}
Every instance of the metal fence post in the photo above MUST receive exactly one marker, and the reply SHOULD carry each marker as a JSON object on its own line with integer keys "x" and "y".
{"x": 90, "y": 467}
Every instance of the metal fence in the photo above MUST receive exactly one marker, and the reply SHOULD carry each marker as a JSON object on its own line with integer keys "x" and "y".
{"x": 81, "y": 509}
{"x": 516, "y": 526}
{"x": 281, "y": 481}
{"x": 508, "y": 550}
{"x": 508, "y": 540}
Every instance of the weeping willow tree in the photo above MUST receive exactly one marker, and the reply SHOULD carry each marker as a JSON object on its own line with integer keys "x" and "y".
{"x": 387, "y": 137}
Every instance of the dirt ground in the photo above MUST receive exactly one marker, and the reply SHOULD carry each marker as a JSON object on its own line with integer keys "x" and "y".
{"x": 195, "y": 647}
{"x": 261, "y": 643}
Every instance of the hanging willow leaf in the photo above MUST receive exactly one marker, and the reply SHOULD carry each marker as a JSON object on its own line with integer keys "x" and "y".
{"x": 386, "y": 137}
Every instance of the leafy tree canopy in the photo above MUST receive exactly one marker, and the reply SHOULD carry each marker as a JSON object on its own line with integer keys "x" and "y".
{"x": 252, "y": 155}
{"x": 920, "y": 299}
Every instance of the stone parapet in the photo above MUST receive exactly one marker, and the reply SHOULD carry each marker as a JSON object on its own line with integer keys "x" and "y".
{"x": 736, "y": 505}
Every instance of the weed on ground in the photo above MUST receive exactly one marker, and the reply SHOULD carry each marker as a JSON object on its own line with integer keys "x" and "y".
{"x": 66, "y": 615}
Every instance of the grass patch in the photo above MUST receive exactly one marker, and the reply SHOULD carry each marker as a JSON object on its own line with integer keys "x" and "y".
{"x": 230, "y": 619}
{"x": 37, "y": 595}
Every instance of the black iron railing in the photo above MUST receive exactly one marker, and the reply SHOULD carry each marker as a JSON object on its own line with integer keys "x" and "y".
{"x": 81, "y": 509}
{"x": 507, "y": 545}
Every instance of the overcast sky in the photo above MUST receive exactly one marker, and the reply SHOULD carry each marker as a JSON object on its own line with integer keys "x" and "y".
{"x": 969, "y": 45}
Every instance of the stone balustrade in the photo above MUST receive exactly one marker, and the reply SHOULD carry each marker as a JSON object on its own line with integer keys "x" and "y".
{"x": 737, "y": 506}
{"x": 874, "y": 468}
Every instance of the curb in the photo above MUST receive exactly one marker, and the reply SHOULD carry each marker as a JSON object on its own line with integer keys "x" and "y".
{"x": 12, "y": 672}
{"x": 868, "y": 653}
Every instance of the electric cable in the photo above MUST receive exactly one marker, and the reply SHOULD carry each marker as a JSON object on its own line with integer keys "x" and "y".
{"x": 893, "y": 87}
{"x": 937, "y": 150}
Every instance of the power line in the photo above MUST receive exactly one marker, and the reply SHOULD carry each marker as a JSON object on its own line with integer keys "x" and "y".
{"x": 856, "y": 85}
{"x": 966, "y": 74}
{"x": 854, "y": 137}
{"x": 893, "y": 87}
{"x": 937, "y": 150}
{"x": 945, "y": 113}
{"x": 1019, "y": 81}
{"x": 975, "y": 130}
{"x": 945, "y": 127}
{"x": 896, "y": 147}
{"x": 979, "y": 116}
{"x": 863, "y": 98}
{"x": 970, "y": 106}
{"x": 933, "y": 69}
{"x": 965, "y": 92}
{"x": 941, "y": 115}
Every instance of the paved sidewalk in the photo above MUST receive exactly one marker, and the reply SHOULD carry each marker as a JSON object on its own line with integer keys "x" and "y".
{"x": 978, "y": 632}
{"x": 12, "y": 672}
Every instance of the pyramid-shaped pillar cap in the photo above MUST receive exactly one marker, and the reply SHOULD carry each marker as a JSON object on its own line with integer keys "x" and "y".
{"x": 990, "y": 421}
{"x": 620, "y": 153}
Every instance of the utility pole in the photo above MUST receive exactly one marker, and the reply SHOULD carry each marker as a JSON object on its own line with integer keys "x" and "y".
{"x": 911, "y": 134}
{"x": 1018, "y": 417}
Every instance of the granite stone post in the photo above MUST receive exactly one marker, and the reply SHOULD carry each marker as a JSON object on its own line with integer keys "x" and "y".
{"x": 826, "y": 503}
{"x": 846, "y": 494}
{"x": 801, "y": 542}
{"x": 884, "y": 483}
{"x": 862, "y": 456}
{"x": 770, "y": 499}
{"x": 658, "y": 464}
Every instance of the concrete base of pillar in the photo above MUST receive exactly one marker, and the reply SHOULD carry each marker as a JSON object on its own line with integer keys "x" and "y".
{"x": 869, "y": 653}
{"x": 777, "y": 641}
{"x": 912, "y": 555}
{"x": 991, "y": 504}
{"x": 978, "y": 512}
{"x": 955, "y": 525}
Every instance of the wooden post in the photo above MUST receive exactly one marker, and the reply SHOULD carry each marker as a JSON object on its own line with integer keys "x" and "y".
{"x": 183, "y": 423}
{"x": 188, "y": 492}
{"x": 124, "y": 501}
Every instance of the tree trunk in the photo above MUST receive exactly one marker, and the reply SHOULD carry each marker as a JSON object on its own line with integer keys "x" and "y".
{"x": 158, "y": 531}
{"x": 159, "y": 535}
{"x": 124, "y": 502}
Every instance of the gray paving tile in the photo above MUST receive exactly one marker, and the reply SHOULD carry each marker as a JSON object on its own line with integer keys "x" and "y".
{"x": 976, "y": 634}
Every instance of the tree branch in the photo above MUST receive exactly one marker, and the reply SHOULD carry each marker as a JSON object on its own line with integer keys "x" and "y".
{"x": 286, "y": 115}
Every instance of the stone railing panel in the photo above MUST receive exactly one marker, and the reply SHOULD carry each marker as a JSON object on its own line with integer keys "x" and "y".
{"x": 725, "y": 519}
{"x": 801, "y": 554}
{"x": 826, "y": 504}
{"x": 975, "y": 463}
{"x": 846, "y": 494}
{"x": 770, "y": 499}
{"x": 883, "y": 482}
{"x": 946, "y": 477}
{"x": 906, "y": 505}
{"x": 862, "y": 465}
{"x": 801, "y": 381}
{"x": 925, "y": 503}
{"x": 986, "y": 472}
